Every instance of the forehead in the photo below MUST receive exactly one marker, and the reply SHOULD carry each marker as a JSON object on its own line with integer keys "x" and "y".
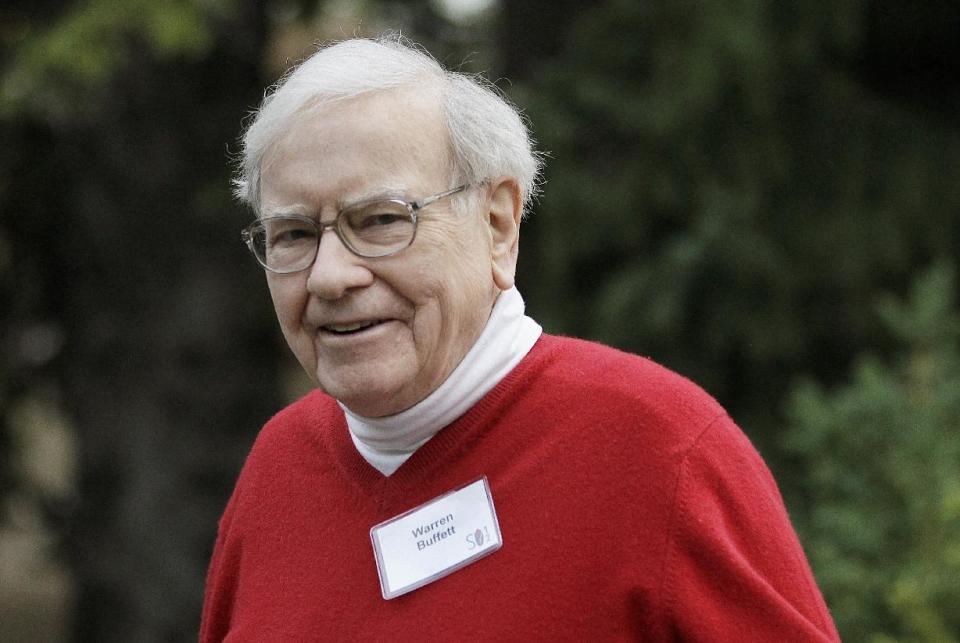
{"x": 391, "y": 140}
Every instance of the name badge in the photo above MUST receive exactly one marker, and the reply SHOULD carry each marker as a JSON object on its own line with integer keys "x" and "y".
{"x": 435, "y": 539}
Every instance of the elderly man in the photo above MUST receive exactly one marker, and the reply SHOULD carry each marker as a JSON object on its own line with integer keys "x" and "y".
{"x": 458, "y": 475}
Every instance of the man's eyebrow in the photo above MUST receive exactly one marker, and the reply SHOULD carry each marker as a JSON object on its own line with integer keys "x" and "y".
{"x": 375, "y": 194}
{"x": 300, "y": 209}
{"x": 367, "y": 196}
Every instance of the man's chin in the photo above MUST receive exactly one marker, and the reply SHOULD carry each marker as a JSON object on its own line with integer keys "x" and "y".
{"x": 371, "y": 408}
{"x": 364, "y": 397}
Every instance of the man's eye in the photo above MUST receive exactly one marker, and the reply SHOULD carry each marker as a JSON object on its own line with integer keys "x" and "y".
{"x": 375, "y": 220}
{"x": 289, "y": 236}
{"x": 293, "y": 235}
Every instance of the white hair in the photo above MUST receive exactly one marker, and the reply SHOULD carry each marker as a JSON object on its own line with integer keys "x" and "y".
{"x": 488, "y": 135}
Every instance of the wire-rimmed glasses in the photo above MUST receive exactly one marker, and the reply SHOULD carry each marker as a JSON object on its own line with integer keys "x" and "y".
{"x": 378, "y": 228}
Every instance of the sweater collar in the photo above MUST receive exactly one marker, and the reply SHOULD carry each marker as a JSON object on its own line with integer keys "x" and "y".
{"x": 387, "y": 442}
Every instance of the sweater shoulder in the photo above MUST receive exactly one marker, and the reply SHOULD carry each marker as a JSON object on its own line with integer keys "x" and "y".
{"x": 295, "y": 427}
{"x": 313, "y": 406}
{"x": 590, "y": 367}
{"x": 629, "y": 388}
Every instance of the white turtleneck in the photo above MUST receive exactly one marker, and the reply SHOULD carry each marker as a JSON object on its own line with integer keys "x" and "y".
{"x": 387, "y": 442}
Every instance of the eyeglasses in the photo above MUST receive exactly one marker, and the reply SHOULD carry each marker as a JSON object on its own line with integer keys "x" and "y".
{"x": 289, "y": 242}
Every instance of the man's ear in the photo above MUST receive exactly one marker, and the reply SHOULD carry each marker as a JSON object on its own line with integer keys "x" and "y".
{"x": 504, "y": 212}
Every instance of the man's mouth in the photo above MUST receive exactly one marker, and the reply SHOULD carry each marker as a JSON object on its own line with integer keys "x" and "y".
{"x": 354, "y": 327}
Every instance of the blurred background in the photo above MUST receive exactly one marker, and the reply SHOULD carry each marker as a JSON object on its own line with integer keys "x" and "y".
{"x": 761, "y": 195}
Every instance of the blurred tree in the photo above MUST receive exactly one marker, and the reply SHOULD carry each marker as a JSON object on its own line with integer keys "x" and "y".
{"x": 731, "y": 188}
{"x": 123, "y": 238}
{"x": 881, "y": 511}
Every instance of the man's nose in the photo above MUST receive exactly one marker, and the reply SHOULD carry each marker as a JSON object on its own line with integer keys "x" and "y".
{"x": 336, "y": 270}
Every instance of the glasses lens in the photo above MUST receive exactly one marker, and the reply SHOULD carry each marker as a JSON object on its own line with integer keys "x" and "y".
{"x": 284, "y": 244}
{"x": 378, "y": 229}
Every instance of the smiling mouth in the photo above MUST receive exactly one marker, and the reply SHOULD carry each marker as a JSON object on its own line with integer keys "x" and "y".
{"x": 350, "y": 329}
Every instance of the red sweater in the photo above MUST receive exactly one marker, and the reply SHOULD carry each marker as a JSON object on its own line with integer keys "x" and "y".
{"x": 631, "y": 507}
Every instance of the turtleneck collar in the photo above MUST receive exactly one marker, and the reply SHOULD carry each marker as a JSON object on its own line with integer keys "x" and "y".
{"x": 387, "y": 442}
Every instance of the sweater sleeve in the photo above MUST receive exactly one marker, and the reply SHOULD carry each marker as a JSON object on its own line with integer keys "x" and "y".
{"x": 221, "y": 581}
{"x": 735, "y": 570}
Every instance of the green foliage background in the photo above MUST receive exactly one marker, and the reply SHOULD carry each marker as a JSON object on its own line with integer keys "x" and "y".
{"x": 882, "y": 505}
{"x": 760, "y": 195}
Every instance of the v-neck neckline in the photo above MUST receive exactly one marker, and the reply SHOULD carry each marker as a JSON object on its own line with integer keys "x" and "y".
{"x": 440, "y": 451}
